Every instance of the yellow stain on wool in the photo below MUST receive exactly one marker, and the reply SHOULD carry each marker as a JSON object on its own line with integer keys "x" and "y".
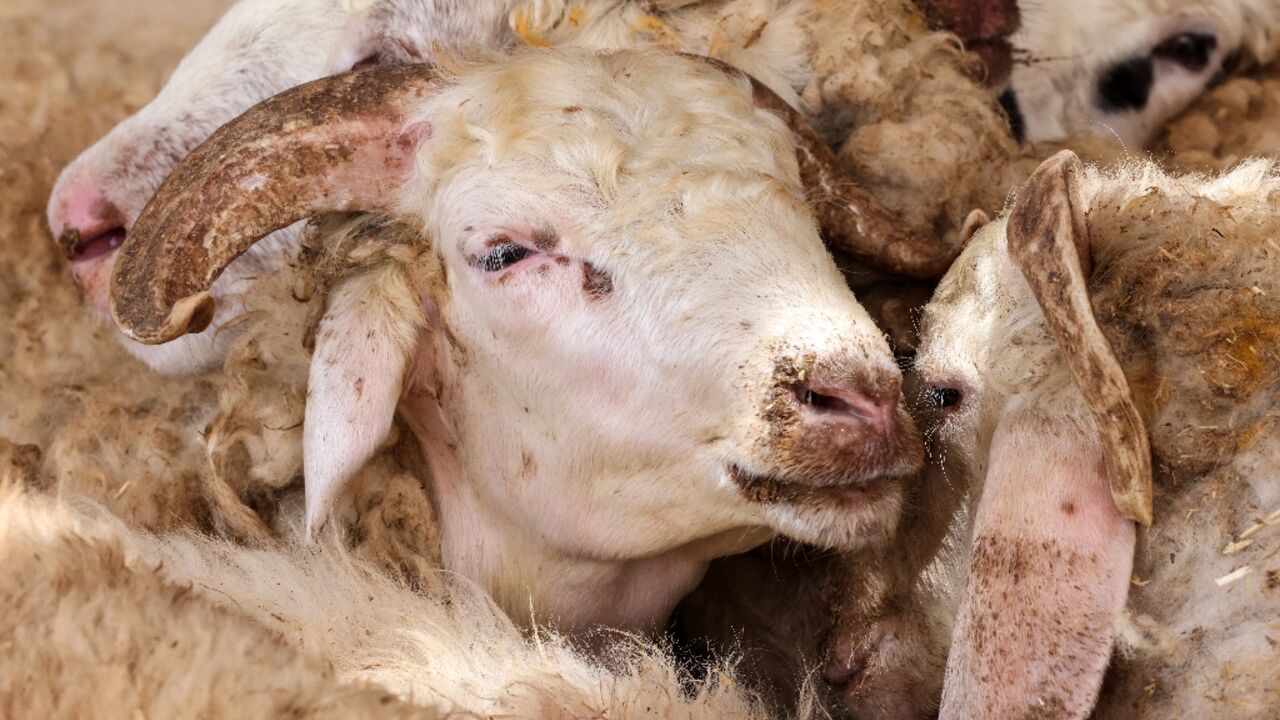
{"x": 520, "y": 25}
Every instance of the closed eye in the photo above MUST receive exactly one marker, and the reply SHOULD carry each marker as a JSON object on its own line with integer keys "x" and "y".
{"x": 500, "y": 255}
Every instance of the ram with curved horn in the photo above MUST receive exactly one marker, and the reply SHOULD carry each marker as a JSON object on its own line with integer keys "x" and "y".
{"x": 614, "y": 330}
{"x": 350, "y": 133}
{"x": 262, "y": 47}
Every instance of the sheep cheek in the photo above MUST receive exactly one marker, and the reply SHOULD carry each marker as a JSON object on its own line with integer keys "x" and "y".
{"x": 1052, "y": 558}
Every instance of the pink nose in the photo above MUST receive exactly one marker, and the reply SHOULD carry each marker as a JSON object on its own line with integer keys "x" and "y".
{"x": 85, "y": 223}
{"x": 848, "y": 403}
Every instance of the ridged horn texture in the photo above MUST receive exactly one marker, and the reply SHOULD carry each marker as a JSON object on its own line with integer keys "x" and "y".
{"x": 854, "y": 222}
{"x": 341, "y": 143}
{"x": 1049, "y": 241}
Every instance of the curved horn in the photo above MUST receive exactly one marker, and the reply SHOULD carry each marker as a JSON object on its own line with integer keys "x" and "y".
{"x": 1049, "y": 242}
{"x": 853, "y": 220}
{"x": 337, "y": 144}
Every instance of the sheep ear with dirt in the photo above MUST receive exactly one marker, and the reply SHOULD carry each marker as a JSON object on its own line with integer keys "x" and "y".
{"x": 1169, "y": 324}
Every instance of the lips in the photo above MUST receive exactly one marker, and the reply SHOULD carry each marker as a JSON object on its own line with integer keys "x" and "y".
{"x": 772, "y": 490}
{"x": 80, "y": 249}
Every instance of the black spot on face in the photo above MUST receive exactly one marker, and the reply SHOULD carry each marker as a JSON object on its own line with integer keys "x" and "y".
{"x": 1191, "y": 50}
{"x": 1017, "y": 124}
{"x": 1126, "y": 85}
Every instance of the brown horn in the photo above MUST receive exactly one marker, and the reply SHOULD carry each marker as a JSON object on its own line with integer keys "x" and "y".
{"x": 341, "y": 143}
{"x": 1049, "y": 241}
{"x": 853, "y": 220}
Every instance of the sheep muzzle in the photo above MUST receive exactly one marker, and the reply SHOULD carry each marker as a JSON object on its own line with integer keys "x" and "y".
{"x": 834, "y": 435}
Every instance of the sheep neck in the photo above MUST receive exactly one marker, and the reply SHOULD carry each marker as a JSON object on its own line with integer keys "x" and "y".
{"x": 534, "y": 579}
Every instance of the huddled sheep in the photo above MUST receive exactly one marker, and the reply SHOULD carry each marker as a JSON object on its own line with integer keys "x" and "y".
{"x": 341, "y": 302}
{"x": 871, "y": 78}
{"x": 1108, "y": 305}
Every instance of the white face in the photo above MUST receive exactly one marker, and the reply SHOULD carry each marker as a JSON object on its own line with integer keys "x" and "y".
{"x": 616, "y": 334}
{"x": 647, "y": 338}
{"x": 1122, "y": 68}
{"x": 964, "y": 360}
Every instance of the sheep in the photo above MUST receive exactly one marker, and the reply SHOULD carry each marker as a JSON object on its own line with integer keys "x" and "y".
{"x": 60, "y": 376}
{"x": 1110, "y": 349}
{"x": 1125, "y": 67}
{"x": 871, "y": 79}
{"x": 102, "y": 620}
{"x": 581, "y": 234}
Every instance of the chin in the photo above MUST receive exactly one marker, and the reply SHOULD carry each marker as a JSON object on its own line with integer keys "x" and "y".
{"x": 187, "y": 355}
{"x": 840, "y": 518}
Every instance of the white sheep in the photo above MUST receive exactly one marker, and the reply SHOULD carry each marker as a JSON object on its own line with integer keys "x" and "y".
{"x": 1110, "y": 348}
{"x": 1125, "y": 67}
{"x": 871, "y": 77}
{"x": 560, "y": 247}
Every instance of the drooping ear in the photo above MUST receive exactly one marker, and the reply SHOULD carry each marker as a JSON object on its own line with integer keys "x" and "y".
{"x": 1049, "y": 241}
{"x": 363, "y": 348}
{"x": 343, "y": 143}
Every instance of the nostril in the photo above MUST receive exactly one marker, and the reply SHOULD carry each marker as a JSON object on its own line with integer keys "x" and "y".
{"x": 811, "y": 398}
{"x": 101, "y": 243}
{"x": 87, "y": 223}
{"x": 843, "y": 405}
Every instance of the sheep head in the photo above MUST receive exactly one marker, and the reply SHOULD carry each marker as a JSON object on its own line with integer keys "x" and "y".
{"x": 1072, "y": 337}
{"x": 619, "y": 338}
{"x": 259, "y": 48}
{"x": 1065, "y": 473}
{"x": 1124, "y": 68}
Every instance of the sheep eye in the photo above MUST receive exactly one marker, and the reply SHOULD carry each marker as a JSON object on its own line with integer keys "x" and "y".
{"x": 501, "y": 256}
{"x": 1190, "y": 50}
{"x": 944, "y": 397}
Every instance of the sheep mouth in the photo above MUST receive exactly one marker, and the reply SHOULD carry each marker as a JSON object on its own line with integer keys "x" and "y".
{"x": 80, "y": 249}
{"x": 775, "y": 490}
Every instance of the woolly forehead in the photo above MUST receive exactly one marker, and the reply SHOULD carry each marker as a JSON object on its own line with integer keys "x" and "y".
{"x": 638, "y": 143}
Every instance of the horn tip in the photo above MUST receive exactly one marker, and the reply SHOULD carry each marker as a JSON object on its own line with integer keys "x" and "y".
{"x": 191, "y": 314}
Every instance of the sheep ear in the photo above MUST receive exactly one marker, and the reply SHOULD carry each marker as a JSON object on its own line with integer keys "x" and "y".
{"x": 1049, "y": 241}
{"x": 362, "y": 349}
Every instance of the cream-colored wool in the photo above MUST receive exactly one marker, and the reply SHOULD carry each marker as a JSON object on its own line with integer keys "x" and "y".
{"x": 1185, "y": 289}
{"x": 1235, "y": 121}
{"x": 106, "y": 621}
{"x": 899, "y": 102}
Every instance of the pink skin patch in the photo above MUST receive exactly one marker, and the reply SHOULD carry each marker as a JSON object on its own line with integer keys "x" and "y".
{"x": 93, "y": 275}
{"x": 1052, "y": 559}
{"x": 90, "y": 229}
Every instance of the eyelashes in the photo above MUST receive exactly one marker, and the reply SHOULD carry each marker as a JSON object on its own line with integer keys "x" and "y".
{"x": 501, "y": 255}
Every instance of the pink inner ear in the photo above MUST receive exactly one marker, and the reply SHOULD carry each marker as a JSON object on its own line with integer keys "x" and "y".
{"x": 1052, "y": 560}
